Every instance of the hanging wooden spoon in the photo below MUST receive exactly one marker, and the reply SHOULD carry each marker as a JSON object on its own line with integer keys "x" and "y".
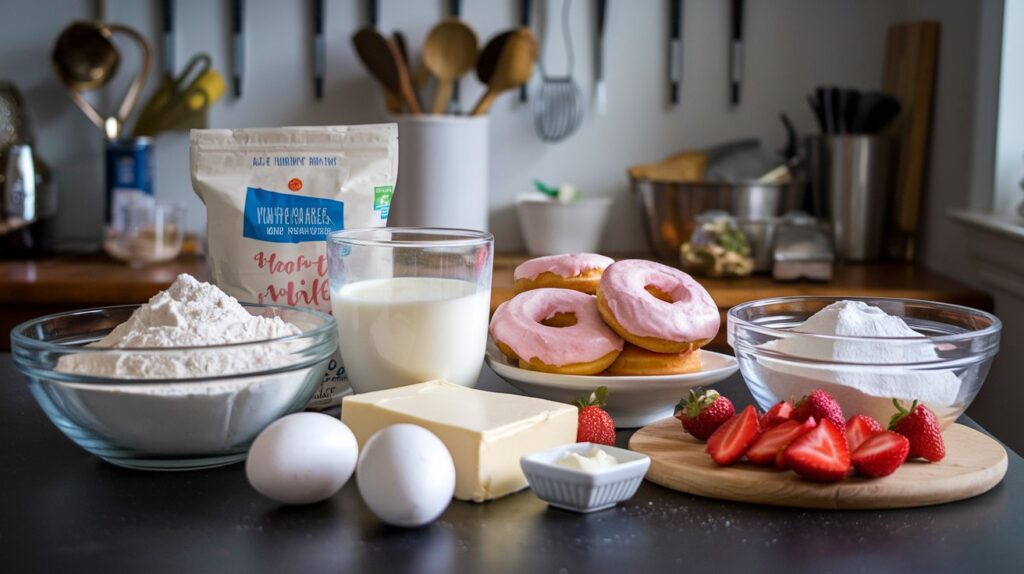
{"x": 382, "y": 59}
{"x": 505, "y": 64}
{"x": 449, "y": 52}
{"x": 399, "y": 39}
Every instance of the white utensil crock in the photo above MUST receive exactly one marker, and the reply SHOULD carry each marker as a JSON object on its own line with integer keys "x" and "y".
{"x": 442, "y": 172}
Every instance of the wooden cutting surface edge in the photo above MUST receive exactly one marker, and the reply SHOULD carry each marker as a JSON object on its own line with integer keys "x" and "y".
{"x": 974, "y": 464}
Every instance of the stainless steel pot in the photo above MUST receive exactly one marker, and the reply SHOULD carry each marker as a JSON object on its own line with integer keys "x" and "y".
{"x": 671, "y": 208}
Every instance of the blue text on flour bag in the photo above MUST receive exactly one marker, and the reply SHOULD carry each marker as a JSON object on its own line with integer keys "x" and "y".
{"x": 288, "y": 218}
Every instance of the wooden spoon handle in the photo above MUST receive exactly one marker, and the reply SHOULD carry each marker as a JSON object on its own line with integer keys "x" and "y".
{"x": 420, "y": 77}
{"x": 484, "y": 104}
{"x": 441, "y": 97}
{"x": 392, "y": 102}
{"x": 409, "y": 97}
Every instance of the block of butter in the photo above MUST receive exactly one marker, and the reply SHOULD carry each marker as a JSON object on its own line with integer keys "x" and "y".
{"x": 486, "y": 433}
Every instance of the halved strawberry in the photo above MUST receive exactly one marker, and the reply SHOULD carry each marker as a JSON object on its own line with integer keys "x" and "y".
{"x": 859, "y": 428}
{"x": 781, "y": 411}
{"x": 780, "y": 460}
{"x": 881, "y": 454}
{"x": 819, "y": 454}
{"x": 728, "y": 443}
{"x": 776, "y": 439}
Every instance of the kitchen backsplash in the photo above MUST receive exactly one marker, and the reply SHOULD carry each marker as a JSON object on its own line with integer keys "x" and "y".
{"x": 784, "y": 55}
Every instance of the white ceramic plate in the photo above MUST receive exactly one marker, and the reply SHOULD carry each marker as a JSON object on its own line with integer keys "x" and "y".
{"x": 632, "y": 401}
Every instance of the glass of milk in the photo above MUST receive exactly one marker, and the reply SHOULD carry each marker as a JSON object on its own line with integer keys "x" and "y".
{"x": 412, "y": 304}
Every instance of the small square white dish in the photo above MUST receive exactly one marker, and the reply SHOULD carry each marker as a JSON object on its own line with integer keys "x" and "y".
{"x": 584, "y": 491}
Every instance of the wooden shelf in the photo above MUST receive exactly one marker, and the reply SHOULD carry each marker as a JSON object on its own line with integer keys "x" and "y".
{"x": 89, "y": 280}
{"x": 32, "y": 288}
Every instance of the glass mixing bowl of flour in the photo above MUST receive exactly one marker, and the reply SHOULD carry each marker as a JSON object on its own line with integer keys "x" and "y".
{"x": 171, "y": 423}
{"x": 865, "y": 352}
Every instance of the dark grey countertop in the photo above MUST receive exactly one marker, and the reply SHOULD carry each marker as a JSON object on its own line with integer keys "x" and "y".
{"x": 63, "y": 510}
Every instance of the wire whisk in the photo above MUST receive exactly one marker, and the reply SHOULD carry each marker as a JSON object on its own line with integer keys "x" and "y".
{"x": 558, "y": 105}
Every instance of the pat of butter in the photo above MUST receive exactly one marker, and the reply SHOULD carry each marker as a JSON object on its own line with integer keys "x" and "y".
{"x": 592, "y": 461}
{"x": 486, "y": 433}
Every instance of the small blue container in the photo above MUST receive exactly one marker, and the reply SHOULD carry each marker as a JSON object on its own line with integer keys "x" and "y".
{"x": 129, "y": 176}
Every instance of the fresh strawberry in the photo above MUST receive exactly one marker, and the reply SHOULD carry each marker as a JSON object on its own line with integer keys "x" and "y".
{"x": 727, "y": 444}
{"x": 702, "y": 413}
{"x": 781, "y": 411}
{"x": 775, "y": 439}
{"x": 821, "y": 406}
{"x": 819, "y": 454}
{"x": 859, "y": 428}
{"x": 780, "y": 460}
{"x": 880, "y": 454}
{"x": 595, "y": 425}
{"x": 920, "y": 426}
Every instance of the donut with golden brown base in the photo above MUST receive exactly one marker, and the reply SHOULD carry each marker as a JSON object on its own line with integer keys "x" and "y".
{"x": 639, "y": 362}
{"x": 585, "y": 282}
{"x": 555, "y": 331}
{"x": 654, "y": 344}
{"x": 589, "y": 368}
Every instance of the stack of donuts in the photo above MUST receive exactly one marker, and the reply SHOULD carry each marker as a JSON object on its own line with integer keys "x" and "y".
{"x": 586, "y": 314}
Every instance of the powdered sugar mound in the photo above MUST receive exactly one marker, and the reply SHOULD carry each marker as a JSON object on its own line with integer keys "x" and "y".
{"x": 858, "y": 319}
{"x": 863, "y": 375}
{"x": 190, "y": 313}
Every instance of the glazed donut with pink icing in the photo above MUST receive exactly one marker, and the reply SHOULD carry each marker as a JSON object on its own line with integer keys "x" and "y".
{"x": 555, "y": 331}
{"x": 576, "y": 271}
{"x": 656, "y": 307}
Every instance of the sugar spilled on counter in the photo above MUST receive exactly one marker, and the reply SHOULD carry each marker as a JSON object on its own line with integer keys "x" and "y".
{"x": 857, "y": 371}
{"x": 190, "y": 313}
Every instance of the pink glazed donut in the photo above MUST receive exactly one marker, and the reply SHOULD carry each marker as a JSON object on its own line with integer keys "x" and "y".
{"x": 555, "y": 331}
{"x": 576, "y": 271}
{"x": 656, "y": 307}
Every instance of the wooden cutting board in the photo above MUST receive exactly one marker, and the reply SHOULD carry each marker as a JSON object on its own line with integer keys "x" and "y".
{"x": 974, "y": 464}
{"x": 911, "y": 61}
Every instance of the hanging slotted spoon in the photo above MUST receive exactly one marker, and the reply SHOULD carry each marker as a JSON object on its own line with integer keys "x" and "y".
{"x": 558, "y": 105}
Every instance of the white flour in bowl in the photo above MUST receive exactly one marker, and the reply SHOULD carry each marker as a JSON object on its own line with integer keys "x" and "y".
{"x": 858, "y": 376}
{"x": 185, "y": 418}
{"x": 189, "y": 313}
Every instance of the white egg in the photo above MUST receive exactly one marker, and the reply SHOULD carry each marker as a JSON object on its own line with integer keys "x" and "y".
{"x": 302, "y": 458}
{"x": 406, "y": 475}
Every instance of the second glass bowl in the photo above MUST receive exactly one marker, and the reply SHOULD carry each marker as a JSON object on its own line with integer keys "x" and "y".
{"x": 944, "y": 368}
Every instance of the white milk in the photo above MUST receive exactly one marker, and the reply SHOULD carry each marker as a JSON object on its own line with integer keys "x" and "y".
{"x": 406, "y": 330}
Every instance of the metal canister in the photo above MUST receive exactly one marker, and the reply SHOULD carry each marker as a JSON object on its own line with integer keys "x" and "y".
{"x": 850, "y": 188}
{"x": 129, "y": 176}
{"x": 18, "y": 204}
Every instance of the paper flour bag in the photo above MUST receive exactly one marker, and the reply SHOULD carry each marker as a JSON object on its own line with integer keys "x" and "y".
{"x": 273, "y": 194}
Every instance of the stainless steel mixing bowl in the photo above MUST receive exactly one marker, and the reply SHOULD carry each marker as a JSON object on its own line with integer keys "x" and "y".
{"x": 670, "y": 209}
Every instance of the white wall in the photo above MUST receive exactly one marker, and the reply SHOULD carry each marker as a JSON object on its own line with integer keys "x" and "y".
{"x": 948, "y": 179}
{"x": 1010, "y": 138}
{"x": 791, "y": 46}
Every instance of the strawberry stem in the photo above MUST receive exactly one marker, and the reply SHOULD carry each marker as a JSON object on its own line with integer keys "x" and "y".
{"x": 900, "y": 413}
{"x": 595, "y": 399}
